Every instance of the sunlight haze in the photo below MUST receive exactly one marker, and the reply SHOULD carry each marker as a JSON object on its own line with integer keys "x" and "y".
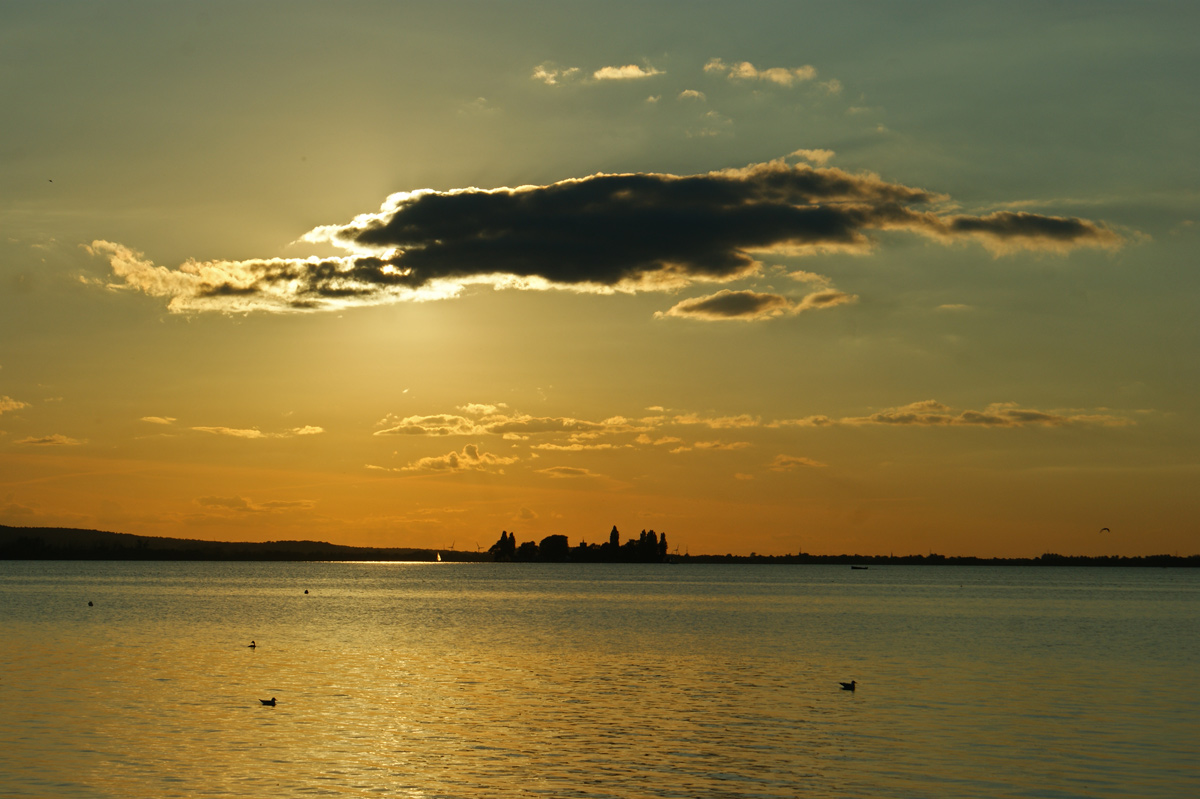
{"x": 766, "y": 277}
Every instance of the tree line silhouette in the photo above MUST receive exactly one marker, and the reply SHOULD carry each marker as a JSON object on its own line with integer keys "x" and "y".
{"x": 649, "y": 547}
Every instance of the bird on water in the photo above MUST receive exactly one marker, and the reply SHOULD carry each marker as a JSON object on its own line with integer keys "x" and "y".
{"x": 269, "y": 702}
{"x": 251, "y": 645}
{"x": 849, "y": 686}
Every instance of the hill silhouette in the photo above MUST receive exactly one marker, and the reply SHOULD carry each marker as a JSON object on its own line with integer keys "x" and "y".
{"x": 65, "y": 543}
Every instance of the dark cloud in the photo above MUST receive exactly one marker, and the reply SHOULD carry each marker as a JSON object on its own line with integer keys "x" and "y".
{"x": 728, "y": 304}
{"x": 752, "y": 305}
{"x": 1004, "y": 229}
{"x": 605, "y": 232}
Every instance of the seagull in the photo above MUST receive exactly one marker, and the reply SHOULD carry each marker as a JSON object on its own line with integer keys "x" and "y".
{"x": 1105, "y": 530}
{"x": 251, "y": 645}
{"x": 270, "y": 702}
{"x": 849, "y": 686}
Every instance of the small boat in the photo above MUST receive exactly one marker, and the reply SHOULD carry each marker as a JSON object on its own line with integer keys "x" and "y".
{"x": 269, "y": 702}
{"x": 860, "y": 567}
{"x": 439, "y": 557}
{"x": 846, "y": 686}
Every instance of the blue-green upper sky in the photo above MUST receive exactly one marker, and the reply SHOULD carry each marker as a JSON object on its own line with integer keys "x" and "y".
{"x": 767, "y": 276}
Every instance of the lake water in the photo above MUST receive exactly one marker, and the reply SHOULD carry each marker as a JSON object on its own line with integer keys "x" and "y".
{"x": 521, "y": 680}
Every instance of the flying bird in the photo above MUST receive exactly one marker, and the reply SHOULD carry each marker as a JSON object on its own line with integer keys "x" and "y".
{"x": 269, "y": 702}
{"x": 1105, "y": 530}
{"x": 849, "y": 686}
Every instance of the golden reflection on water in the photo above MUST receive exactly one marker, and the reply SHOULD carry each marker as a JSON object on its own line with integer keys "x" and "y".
{"x": 461, "y": 681}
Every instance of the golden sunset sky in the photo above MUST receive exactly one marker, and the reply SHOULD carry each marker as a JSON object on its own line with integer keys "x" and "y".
{"x": 766, "y": 277}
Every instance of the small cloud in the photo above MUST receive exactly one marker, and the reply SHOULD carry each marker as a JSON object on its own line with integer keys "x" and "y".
{"x": 255, "y": 433}
{"x": 551, "y": 75}
{"x": 751, "y": 306}
{"x": 627, "y": 72}
{"x": 802, "y": 276}
{"x": 955, "y": 307}
{"x": 481, "y": 409}
{"x": 526, "y": 515}
{"x": 1005, "y": 232}
{"x": 931, "y": 413}
{"x": 308, "y": 430}
{"x": 243, "y": 505}
{"x": 470, "y": 459}
{"x": 807, "y": 421}
{"x": 744, "y": 70}
{"x": 576, "y": 447}
{"x": 55, "y": 440}
{"x": 740, "y": 476}
{"x": 832, "y": 86}
{"x": 437, "y": 425}
{"x": 825, "y": 299}
{"x": 656, "y": 442}
{"x": 653, "y": 99}
{"x": 719, "y": 422}
{"x": 159, "y": 419}
{"x": 727, "y": 304}
{"x": 478, "y": 106}
{"x": 10, "y": 404}
{"x": 788, "y": 463}
{"x": 226, "y": 503}
{"x": 233, "y": 432}
{"x": 692, "y": 94}
{"x": 721, "y": 445}
{"x": 818, "y": 157}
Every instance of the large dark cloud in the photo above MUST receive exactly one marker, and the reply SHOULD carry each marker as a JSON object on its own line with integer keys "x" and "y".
{"x": 607, "y": 230}
{"x": 601, "y": 233}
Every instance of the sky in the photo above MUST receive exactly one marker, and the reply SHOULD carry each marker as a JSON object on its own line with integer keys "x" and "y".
{"x": 764, "y": 277}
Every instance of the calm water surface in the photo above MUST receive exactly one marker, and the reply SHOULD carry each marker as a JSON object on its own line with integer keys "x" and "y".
{"x": 498, "y": 680}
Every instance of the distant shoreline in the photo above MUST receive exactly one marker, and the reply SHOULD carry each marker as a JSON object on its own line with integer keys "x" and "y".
{"x": 62, "y": 543}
